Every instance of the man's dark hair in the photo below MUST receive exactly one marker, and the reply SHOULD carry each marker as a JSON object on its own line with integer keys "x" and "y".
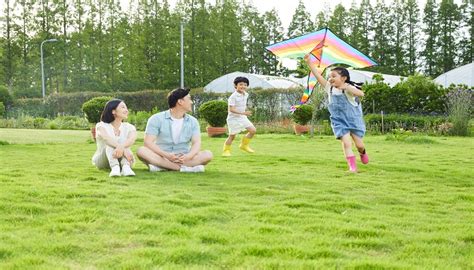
{"x": 107, "y": 116}
{"x": 176, "y": 95}
{"x": 241, "y": 79}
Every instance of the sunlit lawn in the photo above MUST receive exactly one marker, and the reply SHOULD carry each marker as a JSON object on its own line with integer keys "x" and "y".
{"x": 292, "y": 205}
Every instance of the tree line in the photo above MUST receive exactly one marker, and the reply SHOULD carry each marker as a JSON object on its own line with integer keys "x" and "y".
{"x": 103, "y": 47}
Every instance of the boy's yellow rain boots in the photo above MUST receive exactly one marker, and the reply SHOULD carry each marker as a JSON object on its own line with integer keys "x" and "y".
{"x": 245, "y": 145}
{"x": 226, "y": 152}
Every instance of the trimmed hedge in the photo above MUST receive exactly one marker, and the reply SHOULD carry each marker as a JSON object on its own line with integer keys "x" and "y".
{"x": 70, "y": 104}
{"x": 270, "y": 102}
{"x": 428, "y": 124}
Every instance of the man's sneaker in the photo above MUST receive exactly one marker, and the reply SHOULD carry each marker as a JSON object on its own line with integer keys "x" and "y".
{"x": 127, "y": 171}
{"x": 154, "y": 168}
{"x": 115, "y": 171}
{"x": 194, "y": 169}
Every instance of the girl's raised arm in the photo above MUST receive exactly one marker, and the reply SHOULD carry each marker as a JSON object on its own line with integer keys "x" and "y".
{"x": 315, "y": 71}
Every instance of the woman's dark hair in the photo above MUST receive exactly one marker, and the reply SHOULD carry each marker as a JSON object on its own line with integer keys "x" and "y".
{"x": 241, "y": 79}
{"x": 345, "y": 73}
{"x": 107, "y": 115}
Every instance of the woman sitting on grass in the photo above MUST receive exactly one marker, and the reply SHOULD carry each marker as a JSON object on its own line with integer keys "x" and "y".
{"x": 114, "y": 139}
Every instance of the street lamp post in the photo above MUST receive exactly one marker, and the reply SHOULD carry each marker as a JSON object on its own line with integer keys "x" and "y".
{"x": 42, "y": 65}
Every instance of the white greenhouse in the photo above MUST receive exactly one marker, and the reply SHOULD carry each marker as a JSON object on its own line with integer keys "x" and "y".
{"x": 366, "y": 77}
{"x": 225, "y": 83}
{"x": 461, "y": 75}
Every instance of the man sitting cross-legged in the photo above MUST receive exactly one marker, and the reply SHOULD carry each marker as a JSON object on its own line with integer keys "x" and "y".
{"x": 173, "y": 138}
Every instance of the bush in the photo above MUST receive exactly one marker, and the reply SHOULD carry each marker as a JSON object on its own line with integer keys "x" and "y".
{"x": 40, "y": 122}
{"x": 417, "y": 94}
{"x": 303, "y": 114}
{"x": 68, "y": 122}
{"x": 428, "y": 124}
{"x": 5, "y": 97}
{"x": 2, "y": 110}
{"x": 139, "y": 119}
{"x": 94, "y": 107}
{"x": 459, "y": 103}
{"x": 423, "y": 96}
{"x": 214, "y": 112}
{"x": 322, "y": 114}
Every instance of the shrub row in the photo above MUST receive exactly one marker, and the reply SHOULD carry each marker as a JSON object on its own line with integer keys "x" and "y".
{"x": 60, "y": 122}
{"x": 270, "y": 102}
{"x": 427, "y": 124}
{"x": 70, "y": 104}
{"x": 391, "y": 123}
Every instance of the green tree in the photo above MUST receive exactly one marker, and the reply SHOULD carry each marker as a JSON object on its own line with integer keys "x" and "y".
{"x": 431, "y": 53}
{"x": 300, "y": 23}
{"x": 8, "y": 60}
{"x": 381, "y": 42}
{"x": 255, "y": 39}
{"x": 322, "y": 18}
{"x": 337, "y": 22}
{"x": 449, "y": 18}
{"x": 399, "y": 19}
{"x": 466, "y": 43}
{"x": 412, "y": 13}
{"x": 230, "y": 52}
{"x": 26, "y": 73}
{"x": 354, "y": 22}
{"x": 366, "y": 22}
{"x": 274, "y": 31}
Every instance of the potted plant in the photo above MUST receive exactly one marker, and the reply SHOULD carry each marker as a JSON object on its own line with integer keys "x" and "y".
{"x": 93, "y": 109}
{"x": 215, "y": 114}
{"x": 301, "y": 116}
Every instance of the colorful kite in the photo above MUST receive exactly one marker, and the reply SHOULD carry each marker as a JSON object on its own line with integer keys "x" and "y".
{"x": 325, "y": 49}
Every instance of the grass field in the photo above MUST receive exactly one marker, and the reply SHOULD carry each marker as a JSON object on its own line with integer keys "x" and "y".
{"x": 292, "y": 205}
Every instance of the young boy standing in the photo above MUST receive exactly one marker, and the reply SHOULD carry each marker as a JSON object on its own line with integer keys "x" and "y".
{"x": 237, "y": 120}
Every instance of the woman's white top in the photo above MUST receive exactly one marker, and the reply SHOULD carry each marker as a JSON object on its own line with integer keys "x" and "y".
{"x": 125, "y": 130}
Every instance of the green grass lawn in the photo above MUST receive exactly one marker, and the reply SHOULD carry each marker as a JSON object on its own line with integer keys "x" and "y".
{"x": 292, "y": 205}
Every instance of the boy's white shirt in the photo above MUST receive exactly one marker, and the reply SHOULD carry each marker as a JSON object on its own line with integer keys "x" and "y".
{"x": 239, "y": 102}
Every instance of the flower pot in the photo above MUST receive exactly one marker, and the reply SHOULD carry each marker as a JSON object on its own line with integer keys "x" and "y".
{"x": 93, "y": 133}
{"x": 215, "y": 131}
{"x": 299, "y": 129}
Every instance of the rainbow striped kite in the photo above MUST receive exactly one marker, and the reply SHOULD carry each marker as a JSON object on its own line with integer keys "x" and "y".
{"x": 325, "y": 49}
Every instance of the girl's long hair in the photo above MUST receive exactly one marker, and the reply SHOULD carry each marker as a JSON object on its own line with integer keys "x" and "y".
{"x": 345, "y": 73}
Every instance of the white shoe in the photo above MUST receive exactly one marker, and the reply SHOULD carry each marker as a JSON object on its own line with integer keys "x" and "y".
{"x": 154, "y": 168}
{"x": 115, "y": 171}
{"x": 127, "y": 171}
{"x": 194, "y": 169}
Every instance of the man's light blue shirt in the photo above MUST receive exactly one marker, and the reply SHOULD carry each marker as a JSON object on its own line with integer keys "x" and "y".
{"x": 159, "y": 125}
